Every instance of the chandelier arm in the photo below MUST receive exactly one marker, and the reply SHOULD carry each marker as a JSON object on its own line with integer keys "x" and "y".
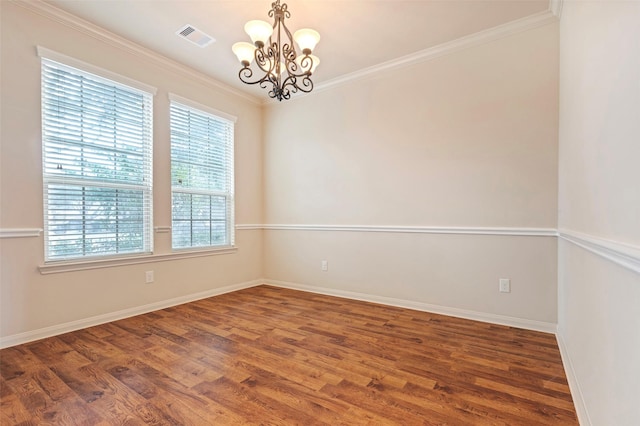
{"x": 285, "y": 72}
{"x": 246, "y": 73}
{"x": 280, "y": 93}
{"x": 290, "y": 61}
{"x": 273, "y": 93}
{"x": 274, "y": 58}
{"x": 293, "y": 84}
{"x": 262, "y": 56}
{"x": 265, "y": 62}
{"x": 289, "y": 84}
{"x": 264, "y": 84}
{"x": 289, "y": 52}
{"x": 305, "y": 63}
{"x": 307, "y": 84}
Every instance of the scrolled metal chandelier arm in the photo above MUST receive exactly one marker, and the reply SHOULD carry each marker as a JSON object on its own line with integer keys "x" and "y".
{"x": 284, "y": 71}
{"x": 265, "y": 64}
{"x": 295, "y": 82}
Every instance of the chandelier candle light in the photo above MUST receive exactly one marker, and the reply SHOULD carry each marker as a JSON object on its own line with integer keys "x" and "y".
{"x": 276, "y": 56}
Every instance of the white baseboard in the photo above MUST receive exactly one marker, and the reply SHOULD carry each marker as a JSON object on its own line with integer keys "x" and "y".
{"x": 29, "y": 336}
{"x": 574, "y": 385}
{"x": 527, "y": 324}
{"x": 20, "y": 338}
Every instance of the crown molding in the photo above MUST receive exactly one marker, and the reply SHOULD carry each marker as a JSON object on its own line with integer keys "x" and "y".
{"x": 533, "y": 21}
{"x": 555, "y": 7}
{"x": 54, "y": 56}
{"x": 481, "y": 37}
{"x": 78, "y": 24}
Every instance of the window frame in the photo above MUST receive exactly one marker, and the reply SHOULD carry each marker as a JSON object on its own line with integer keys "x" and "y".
{"x": 228, "y": 193}
{"x": 80, "y": 68}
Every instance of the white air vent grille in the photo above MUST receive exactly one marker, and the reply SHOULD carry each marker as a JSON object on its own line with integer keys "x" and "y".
{"x": 195, "y": 36}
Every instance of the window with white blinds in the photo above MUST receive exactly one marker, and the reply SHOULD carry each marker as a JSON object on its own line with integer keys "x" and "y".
{"x": 97, "y": 165}
{"x": 201, "y": 178}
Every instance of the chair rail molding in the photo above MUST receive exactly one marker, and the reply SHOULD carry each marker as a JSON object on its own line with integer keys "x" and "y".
{"x": 623, "y": 254}
{"x": 20, "y": 232}
{"x": 534, "y": 232}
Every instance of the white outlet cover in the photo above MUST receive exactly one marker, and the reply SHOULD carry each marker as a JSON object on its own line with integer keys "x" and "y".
{"x": 505, "y": 285}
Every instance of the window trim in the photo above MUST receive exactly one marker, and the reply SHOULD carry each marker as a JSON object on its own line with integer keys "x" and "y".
{"x": 231, "y": 227}
{"x": 92, "y": 71}
{"x": 112, "y": 262}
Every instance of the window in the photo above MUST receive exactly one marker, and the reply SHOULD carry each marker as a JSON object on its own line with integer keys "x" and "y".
{"x": 97, "y": 165}
{"x": 201, "y": 176}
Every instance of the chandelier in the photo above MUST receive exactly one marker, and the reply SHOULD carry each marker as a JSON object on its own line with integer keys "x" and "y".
{"x": 281, "y": 68}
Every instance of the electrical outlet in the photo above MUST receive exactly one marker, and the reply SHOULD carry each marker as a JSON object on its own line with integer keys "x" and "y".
{"x": 324, "y": 265}
{"x": 505, "y": 285}
{"x": 148, "y": 277}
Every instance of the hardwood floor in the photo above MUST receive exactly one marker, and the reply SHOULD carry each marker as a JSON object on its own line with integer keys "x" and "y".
{"x": 267, "y": 355}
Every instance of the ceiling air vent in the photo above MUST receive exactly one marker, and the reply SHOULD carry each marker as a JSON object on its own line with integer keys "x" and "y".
{"x": 195, "y": 36}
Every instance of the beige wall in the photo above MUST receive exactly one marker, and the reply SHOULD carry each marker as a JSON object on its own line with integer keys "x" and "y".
{"x": 472, "y": 144}
{"x": 30, "y": 301}
{"x": 447, "y": 271}
{"x": 463, "y": 141}
{"x": 599, "y": 193}
{"x": 468, "y": 139}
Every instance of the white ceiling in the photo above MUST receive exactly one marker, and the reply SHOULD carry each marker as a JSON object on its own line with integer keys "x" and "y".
{"x": 355, "y": 34}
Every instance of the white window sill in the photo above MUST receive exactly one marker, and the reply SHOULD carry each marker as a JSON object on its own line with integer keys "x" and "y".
{"x": 82, "y": 265}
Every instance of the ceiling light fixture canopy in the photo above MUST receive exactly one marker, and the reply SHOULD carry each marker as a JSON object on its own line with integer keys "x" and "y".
{"x": 275, "y": 55}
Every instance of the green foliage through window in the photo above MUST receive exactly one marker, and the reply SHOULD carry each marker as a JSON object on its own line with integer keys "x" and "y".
{"x": 201, "y": 178}
{"x": 96, "y": 165}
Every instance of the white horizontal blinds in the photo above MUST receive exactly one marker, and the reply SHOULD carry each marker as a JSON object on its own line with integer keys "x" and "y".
{"x": 201, "y": 178}
{"x": 97, "y": 165}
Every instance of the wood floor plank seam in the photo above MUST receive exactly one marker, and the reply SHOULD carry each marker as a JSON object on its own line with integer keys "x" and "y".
{"x": 273, "y": 356}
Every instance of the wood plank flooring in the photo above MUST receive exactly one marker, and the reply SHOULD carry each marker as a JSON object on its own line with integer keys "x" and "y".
{"x": 273, "y": 356}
